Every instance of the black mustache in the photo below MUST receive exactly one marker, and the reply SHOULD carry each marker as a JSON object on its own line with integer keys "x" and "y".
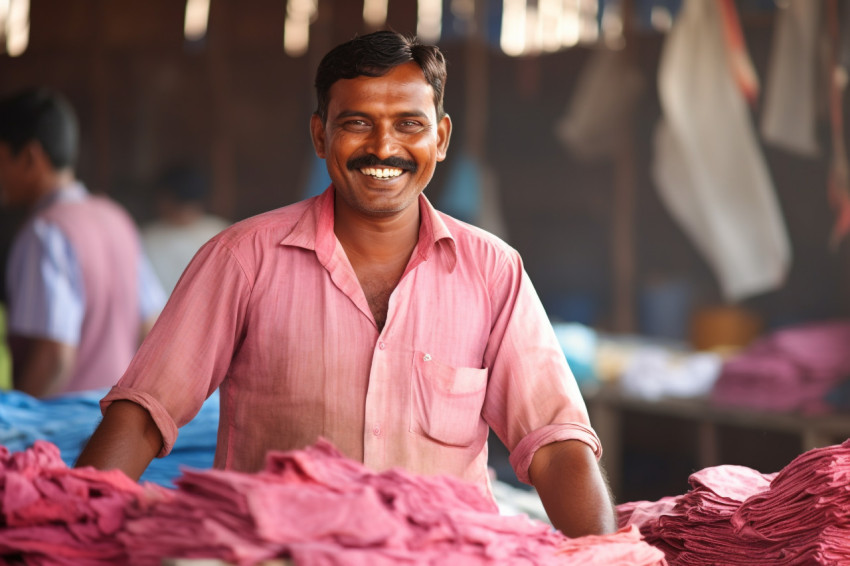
{"x": 370, "y": 160}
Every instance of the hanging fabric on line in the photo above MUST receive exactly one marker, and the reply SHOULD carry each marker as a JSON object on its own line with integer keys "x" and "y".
{"x": 608, "y": 89}
{"x": 839, "y": 170}
{"x": 789, "y": 120}
{"x": 708, "y": 168}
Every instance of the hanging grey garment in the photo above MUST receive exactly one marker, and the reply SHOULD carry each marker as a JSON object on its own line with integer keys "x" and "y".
{"x": 789, "y": 120}
{"x": 708, "y": 166}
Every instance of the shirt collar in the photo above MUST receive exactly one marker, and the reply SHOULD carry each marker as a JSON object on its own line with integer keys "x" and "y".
{"x": 314, "y": 231}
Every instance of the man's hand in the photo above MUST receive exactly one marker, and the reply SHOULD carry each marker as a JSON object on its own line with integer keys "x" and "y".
{"x": 573, "y": 489}
{"x": 126, "y": 439}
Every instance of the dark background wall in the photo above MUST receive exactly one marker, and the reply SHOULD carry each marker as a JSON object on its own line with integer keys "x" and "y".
{"x": 236, "y": 103}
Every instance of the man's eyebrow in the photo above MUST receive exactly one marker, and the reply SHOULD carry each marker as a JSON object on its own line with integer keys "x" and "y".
{"x": 351, "y": 113}
{"x": 358, "y": 113}
{"x": 414, "y": 114}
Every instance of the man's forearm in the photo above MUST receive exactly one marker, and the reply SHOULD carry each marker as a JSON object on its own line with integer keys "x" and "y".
{"x": 573, "y": 489}
{"x": 126, "y": 439}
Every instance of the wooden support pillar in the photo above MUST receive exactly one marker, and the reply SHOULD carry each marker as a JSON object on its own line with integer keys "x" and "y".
{"x": 476, "y": 87}
{"x": 623, "y": 219}
{"x": 222, "y": 157}
{"x": 99, "y": 84}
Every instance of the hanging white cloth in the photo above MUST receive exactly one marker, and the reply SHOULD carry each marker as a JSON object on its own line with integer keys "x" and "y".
{"x": 607, "y": 91}
{"x": 708, "y": 166}
{"x": 789, "y": 119}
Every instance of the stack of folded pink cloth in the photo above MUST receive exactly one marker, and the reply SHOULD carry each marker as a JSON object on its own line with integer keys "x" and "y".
{"x": 312, "y": 506}
{"x": 734, "y": 515}
{"x": 792, "y": 369}
{"x": 59, "y": 516}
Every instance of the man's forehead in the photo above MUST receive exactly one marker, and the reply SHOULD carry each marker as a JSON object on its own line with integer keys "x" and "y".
{"x": 407, "y": 91}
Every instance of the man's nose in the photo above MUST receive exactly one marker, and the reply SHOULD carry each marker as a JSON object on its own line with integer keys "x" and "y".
{"x": 382, "y": 141}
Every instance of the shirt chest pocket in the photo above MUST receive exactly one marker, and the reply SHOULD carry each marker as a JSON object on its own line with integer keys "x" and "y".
{"x": 446, "y": 401}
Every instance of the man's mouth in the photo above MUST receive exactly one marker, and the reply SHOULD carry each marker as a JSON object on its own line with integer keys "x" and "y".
{"x": 388, "y": 168}
{"x": 381, "y": 172}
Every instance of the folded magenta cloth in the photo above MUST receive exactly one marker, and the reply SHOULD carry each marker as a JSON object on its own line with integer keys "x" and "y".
{"x": 734, "y": 515}
{"x": 313, "y": 506}
{"x": 791, "y": 369}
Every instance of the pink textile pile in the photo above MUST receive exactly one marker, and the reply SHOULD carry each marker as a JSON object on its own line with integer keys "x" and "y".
{"x": 321, "y": 509}
{"x": 55, "y": 515}
{"x": 808, "y": 503}
{"x": 313, "y": 506}
{"x": 790, "y": 370}
{"x": 738, "y": 516}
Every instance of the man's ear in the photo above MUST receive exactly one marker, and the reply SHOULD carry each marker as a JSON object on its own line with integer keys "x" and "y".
{"x": 444, "y": 134}
{"x": 317, "y": 132}
{"x": 32, "y": 153}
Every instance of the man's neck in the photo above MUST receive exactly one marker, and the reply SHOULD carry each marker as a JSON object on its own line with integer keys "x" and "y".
{"x": 378, "y": 250}
{"x": 50, "y": 183}
{"x": 379, "y": 239}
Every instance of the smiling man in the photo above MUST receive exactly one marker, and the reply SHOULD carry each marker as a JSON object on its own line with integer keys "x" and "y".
{"x": 366, "y": 317}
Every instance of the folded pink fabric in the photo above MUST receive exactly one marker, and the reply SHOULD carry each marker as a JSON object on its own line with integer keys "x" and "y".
{"x": 313, "y": 506}
{"x": 737, "y": 516}
{"x": 55, "y": 515}
{"x": 319, "y": 508}
{"x": 789, "y": 370}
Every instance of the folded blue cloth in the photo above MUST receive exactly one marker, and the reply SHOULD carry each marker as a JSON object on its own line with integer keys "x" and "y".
{"x": 69, "y": 420}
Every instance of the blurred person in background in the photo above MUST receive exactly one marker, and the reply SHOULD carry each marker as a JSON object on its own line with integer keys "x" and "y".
{"x": 183, "y": 224}
{"x": 80, "y": 292}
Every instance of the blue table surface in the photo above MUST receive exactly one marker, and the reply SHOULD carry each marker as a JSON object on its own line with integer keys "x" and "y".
{"x": 69, "y": 420}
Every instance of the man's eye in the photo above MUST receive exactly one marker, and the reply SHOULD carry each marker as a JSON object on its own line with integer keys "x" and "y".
{"x": 355, "y": 125}
{"x": 410, "y": 126}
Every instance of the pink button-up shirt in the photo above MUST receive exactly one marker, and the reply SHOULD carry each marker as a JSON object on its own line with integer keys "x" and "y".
{"x": 271, "y": 311}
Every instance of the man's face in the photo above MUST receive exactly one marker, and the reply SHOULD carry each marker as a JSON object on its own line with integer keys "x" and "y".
{"x": 13, "y": 179}
{"x": 381, "y": 140}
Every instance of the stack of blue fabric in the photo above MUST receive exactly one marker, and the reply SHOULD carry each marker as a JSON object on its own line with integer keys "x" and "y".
{"x": 69, "y": 420}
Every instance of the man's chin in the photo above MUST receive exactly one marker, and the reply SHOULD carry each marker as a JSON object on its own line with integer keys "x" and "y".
{"x": 380, "y": 212}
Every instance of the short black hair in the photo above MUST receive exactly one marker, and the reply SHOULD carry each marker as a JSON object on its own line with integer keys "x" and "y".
{"x": 373, "y": 55}
{"x": 184, "y": 182}
{"x": 42, "y": 115}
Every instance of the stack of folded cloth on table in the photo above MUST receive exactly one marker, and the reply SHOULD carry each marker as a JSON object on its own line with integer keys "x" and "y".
{"x": 792, "y": 369}
{"x": 313, "y": 506}
{"x": 738, "y": 516}
{"x": 54, "y": 515}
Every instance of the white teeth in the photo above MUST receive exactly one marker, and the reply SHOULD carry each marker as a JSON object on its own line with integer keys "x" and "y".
{"x": 381, "y": 173}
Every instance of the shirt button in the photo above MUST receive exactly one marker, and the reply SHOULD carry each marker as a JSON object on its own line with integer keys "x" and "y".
{"x": 376, "y": 430}
{"x": 381, "y": 345}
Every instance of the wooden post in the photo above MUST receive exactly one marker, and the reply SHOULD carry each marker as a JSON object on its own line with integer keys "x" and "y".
{"x": 222, "y": 158}
{"x": 623, "y": 236}
{"x": 477, "y": 77}
{"x": 100, "y": 96}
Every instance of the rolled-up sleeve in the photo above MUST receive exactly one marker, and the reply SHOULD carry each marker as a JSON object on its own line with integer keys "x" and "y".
{"x": 533, "y": 398}
{"x": 187, "y": 354}
{"x": 163, "y": 420}
{"x": 523, "y": 453}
